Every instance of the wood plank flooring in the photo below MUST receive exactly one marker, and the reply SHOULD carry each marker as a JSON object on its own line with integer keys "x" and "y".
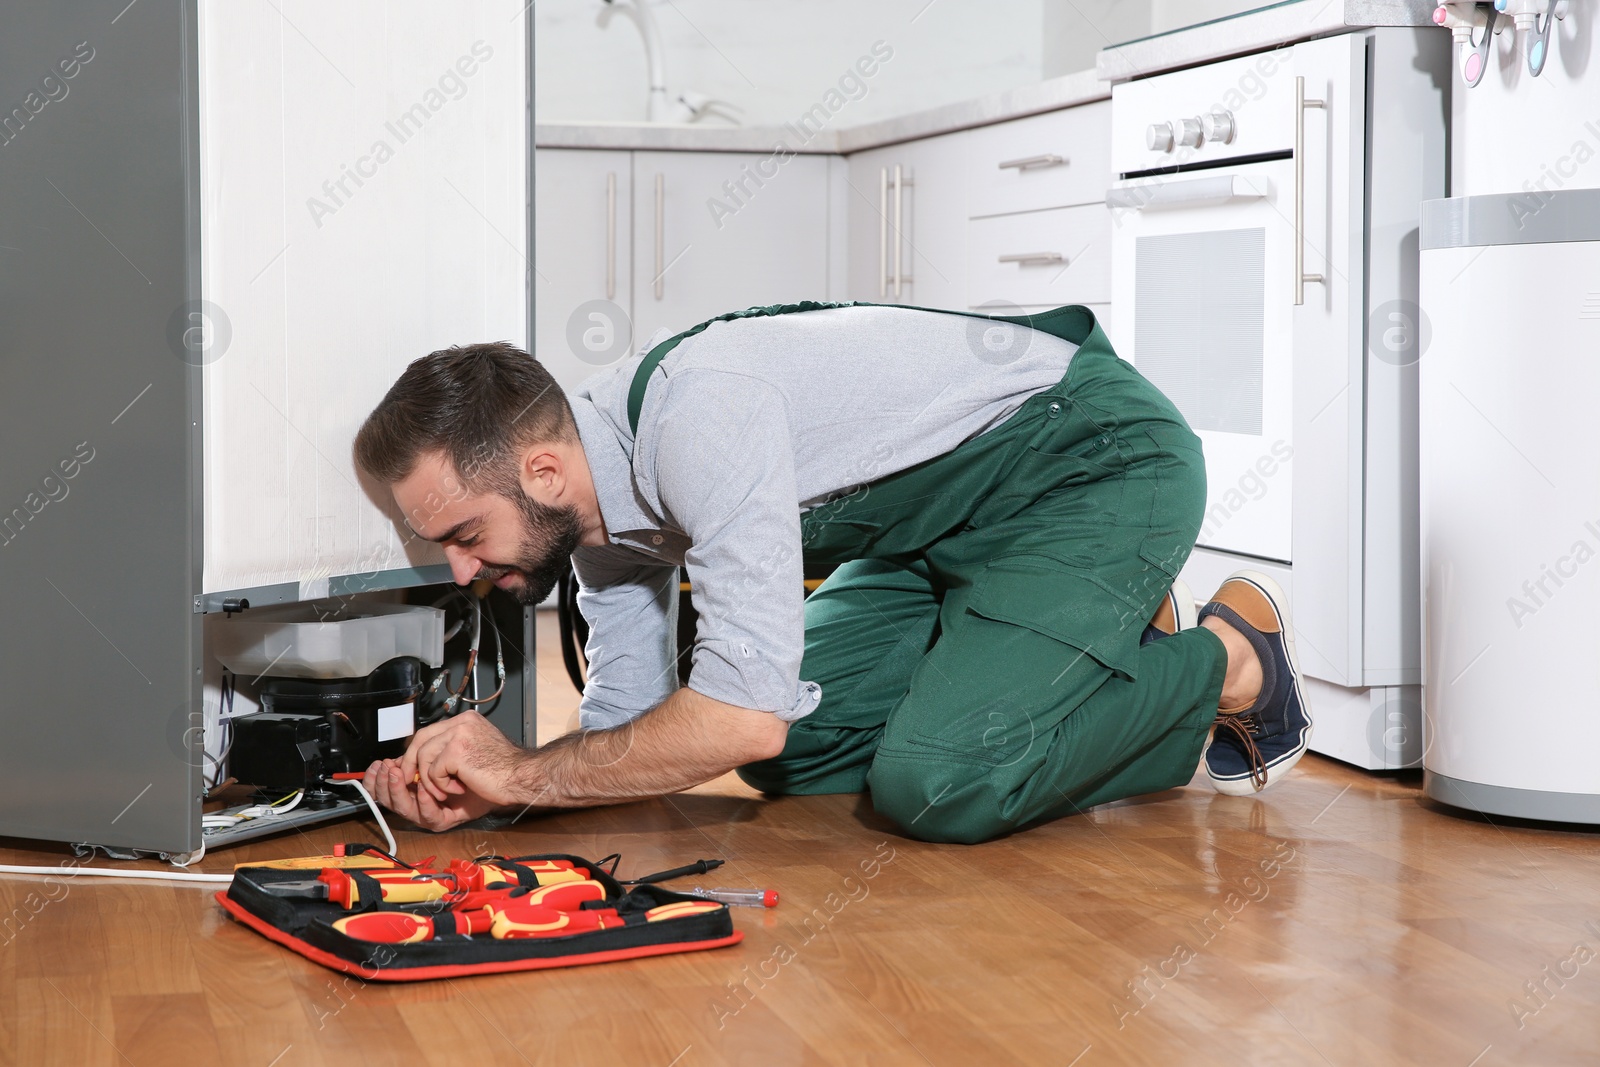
{"x": 1339, "y": 919}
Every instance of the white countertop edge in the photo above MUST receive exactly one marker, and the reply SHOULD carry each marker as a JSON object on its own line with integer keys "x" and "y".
{"x": 1254, "y": 31}
{"x": 678, "y": 137}
{"x": 1069, "y": 90}
{"x": 1053, "y": 94}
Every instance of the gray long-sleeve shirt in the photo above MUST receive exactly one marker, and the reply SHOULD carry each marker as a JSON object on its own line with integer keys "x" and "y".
{"x": 744, "y": 427}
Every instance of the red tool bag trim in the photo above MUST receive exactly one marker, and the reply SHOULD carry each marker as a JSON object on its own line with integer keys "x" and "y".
{"x": 418, "y": 974}
{"x": 305, "y": 926}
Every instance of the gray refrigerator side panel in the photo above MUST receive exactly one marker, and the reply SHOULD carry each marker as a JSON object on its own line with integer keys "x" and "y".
{"x": 99, "y": 646}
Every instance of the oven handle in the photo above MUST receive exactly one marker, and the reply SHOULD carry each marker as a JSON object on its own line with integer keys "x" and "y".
{"x": 1188, "y": 192}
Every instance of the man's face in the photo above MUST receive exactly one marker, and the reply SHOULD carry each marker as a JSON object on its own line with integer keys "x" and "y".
{"x": 521, "y": 544}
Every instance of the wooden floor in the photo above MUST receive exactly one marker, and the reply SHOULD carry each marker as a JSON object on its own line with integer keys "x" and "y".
{"x": 1340, "y": 919}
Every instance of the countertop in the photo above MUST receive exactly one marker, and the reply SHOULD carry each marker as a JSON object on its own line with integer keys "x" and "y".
{"x": 1069, "y": 90}
{"x": 1296, "y": 20}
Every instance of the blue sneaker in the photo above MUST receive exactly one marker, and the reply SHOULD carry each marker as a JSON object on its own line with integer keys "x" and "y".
{"x": 1256, "y": 745}
{"x": 1176, "y": 612}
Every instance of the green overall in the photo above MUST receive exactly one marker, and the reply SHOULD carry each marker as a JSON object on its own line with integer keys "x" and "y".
{"x": 978, "y": 648}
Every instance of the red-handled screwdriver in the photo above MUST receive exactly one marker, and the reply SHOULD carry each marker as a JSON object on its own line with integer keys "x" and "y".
{"x": 516, "y": 921}
{"x": 403, "y": 927}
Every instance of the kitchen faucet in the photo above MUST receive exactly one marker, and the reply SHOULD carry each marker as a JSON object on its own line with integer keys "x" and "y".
{"x": 687, "y": 105}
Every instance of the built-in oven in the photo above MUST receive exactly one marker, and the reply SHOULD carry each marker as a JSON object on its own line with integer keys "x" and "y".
{"x": 1204, "y": 318}
{"x": 1264, "y": 277}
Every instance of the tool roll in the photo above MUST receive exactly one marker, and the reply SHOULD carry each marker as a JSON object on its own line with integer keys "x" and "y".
{"x": 369, "y": 914}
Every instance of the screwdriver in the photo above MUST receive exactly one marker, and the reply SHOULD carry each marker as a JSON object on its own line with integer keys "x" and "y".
{"x": 473, "y": 876}
{"x": 402, "y": 927}
{"x": 517, "y": 921}
{"x": 749, "y": 898}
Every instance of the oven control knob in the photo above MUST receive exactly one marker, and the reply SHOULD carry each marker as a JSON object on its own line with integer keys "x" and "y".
{"x": 1218, "y": 126}
{"x": 1159, "y": 137}
{"x": 1189, "y": 133}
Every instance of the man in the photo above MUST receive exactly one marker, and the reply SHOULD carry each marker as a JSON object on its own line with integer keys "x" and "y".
{"x": 1009, "y": 504}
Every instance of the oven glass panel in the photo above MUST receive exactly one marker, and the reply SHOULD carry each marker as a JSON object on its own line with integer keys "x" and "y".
{"x": 1199, "y": 324}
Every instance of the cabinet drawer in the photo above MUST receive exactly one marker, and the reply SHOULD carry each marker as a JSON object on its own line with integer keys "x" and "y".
{"x": 1073, "y": 246}
{"x": 1056, "y": 160}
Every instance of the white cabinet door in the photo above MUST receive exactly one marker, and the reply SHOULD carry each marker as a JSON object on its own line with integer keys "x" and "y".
{"x": 721, "y": 231}
{"x": 1329, "y": 358}
{"x": 908, "y": 241}
{"x": 583, "y": 260}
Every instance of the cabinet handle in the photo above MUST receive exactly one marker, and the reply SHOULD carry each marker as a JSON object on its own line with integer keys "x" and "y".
{"x": 661, "y": 209}
{"x": 883, "y": 232}
{"x": 1300, "y": 275}
{"x": 1034, "y": 257}
{"x": 899, "y": 241}
{"x": 611, "y": 236}
{"x": 1049, "y": 159}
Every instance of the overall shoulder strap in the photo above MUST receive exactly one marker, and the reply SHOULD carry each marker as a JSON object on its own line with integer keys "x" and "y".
{"x": 1073, "y": 323}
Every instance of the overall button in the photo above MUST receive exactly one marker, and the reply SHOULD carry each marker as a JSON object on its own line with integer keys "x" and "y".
{"x": 1054, "y": 409}
{"x": 656, "y": 539}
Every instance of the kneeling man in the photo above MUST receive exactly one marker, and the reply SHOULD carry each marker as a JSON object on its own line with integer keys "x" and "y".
{"x": 1003, "y": 641}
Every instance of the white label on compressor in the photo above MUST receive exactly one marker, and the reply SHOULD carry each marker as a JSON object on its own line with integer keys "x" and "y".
{"x": 398, "y": 721}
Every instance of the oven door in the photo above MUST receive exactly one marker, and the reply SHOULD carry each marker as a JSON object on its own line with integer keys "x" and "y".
{"x": 1200, "y": 269}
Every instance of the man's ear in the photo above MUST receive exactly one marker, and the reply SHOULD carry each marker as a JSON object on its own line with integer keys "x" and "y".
{"x": 542, "y": 472}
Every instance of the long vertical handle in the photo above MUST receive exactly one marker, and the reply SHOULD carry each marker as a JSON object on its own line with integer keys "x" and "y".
{"x": 899, "y": 241}
{"x": 1300, "y": 275}
{"x": 661, "y": 207}
{"x": 883, "y": 232}
{"x": 611, "y": 236}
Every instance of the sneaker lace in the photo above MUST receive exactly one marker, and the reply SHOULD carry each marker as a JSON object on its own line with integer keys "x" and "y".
{"x": 1243, "y": 728}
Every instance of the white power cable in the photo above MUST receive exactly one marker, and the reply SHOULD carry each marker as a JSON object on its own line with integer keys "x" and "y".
{"x": 388, "y": 838}
{"x": 477, "y": 633}
{"x": 112, "y": 872}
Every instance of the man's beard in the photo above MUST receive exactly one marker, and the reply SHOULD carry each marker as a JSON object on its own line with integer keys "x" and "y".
{"x": 549, "y": 537}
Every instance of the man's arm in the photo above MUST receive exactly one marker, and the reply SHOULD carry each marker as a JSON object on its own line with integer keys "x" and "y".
{"x": 461, "y": 769}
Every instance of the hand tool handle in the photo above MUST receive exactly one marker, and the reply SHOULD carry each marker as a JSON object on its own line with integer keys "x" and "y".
{"x": 344, "y": 890}
{"x": 389, "y": 927}
{"x": 403, "y": 927}
{"x": 680, "y": 909}
{"x": 518, "y": 921}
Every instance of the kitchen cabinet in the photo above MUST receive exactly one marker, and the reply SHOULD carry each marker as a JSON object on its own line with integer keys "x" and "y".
{"x": 628, "y": 243}
{"x": 1057, "y": 159}
{"x": 583, "y": 260}
{"x": 1043, "y": 258}
{"x": 719, "y": 231}
{"x": 907, "y": 211}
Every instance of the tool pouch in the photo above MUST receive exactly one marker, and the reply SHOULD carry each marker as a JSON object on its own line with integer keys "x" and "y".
{"x": 306, "y": 925}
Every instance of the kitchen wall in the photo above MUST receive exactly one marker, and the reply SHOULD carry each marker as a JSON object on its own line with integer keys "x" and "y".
{"x": 776, "y": 58}
{"x": 1514, "y": 133}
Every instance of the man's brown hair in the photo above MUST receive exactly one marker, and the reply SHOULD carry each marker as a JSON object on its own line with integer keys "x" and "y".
{"x": 477, "y": 404}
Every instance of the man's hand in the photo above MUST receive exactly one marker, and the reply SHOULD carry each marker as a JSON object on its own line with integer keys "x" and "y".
{"x": 463, "y": 768}
{"x": 466, "y": 767}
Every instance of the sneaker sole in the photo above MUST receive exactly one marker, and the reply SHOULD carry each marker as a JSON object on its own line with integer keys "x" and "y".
{"x": 1185, "y": 609}
{"x": 1243, "y": 786}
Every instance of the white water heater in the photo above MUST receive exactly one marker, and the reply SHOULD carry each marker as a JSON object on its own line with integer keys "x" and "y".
{"x": 1509, "y": 379}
